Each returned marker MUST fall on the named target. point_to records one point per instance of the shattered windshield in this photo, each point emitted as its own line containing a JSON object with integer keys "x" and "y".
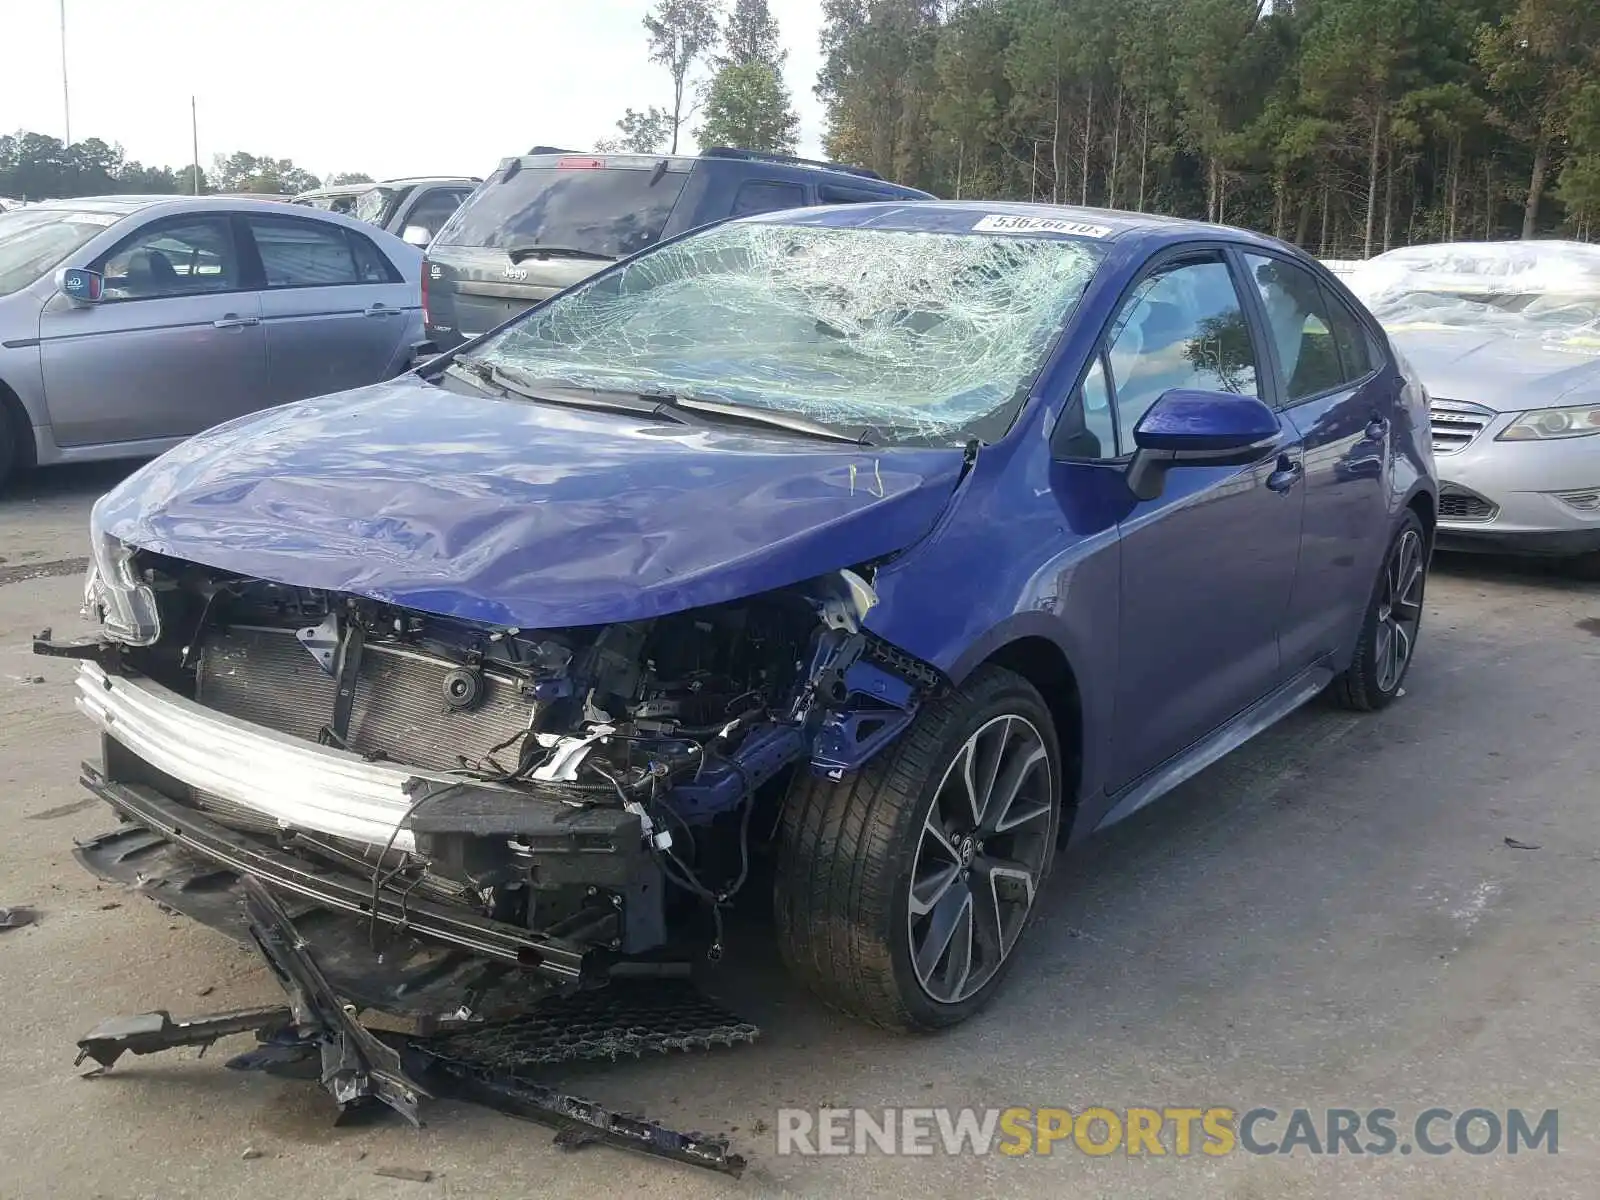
{"x": 1549, "y": 291}
{"x": 373, "y": 206}
{"x": 920, "y": 336}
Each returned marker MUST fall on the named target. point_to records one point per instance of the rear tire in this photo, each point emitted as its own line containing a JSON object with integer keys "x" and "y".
{"x": 879, "y": 876}
{"x": 1389, "y": 629}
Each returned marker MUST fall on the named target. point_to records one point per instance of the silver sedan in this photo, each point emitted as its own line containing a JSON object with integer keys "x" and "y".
{"x": 1506, "y": 338}
{"x": 128, "y": 323}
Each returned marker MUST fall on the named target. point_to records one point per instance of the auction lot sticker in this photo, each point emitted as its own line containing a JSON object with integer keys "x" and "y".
{"x": 1001, "y": 223}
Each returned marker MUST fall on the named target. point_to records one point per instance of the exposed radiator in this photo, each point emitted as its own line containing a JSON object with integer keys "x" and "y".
{"x": 267, "y": 677}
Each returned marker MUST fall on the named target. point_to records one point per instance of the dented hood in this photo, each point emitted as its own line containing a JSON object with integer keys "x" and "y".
{"x": 523, "y": 514}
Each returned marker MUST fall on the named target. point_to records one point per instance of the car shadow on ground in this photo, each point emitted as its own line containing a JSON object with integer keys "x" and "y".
{"x": 77, "y": 481}
{"x": 1510, "y": 568}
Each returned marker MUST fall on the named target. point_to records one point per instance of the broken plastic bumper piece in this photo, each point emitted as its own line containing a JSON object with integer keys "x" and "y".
{"x": 361, "y": 1067}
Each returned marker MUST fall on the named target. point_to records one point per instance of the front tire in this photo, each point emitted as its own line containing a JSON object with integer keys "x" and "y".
{"x": 903, "y": 891}
{"x": 1389, "y": 630}
{"x": 11, "y": 433}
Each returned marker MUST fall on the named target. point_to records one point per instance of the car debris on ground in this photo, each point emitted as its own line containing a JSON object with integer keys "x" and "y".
{"x": 485, "y": 1064}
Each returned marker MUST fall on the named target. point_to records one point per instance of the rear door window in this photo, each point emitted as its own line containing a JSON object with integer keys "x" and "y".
{"x": 1356, "y": 357}
{"x": 765, "y": 195}
{"x": 298, "y": 253}
{"x": 614, "y": 211}
{"x": 1300, "y": 326}
{"x": 371, "y": 265}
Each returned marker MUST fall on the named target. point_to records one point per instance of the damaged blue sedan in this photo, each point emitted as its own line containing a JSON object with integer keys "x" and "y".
{"x": 864, "y": 554}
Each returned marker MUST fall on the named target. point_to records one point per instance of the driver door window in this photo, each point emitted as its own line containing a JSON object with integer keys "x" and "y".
{"x": 434, "y": 209}
{"x": 191, "y": 257}
{"x": 1183, "y": 327}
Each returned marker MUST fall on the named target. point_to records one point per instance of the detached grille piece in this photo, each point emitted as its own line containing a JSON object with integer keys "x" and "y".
{"x": 1456, "y": 424}
{"x": 629, "y": 1017}
{"x": 1458, "y": 504}
{"x": 267, "y": 677}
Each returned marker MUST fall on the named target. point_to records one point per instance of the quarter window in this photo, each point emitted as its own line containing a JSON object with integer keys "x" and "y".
{"x": 759, "y": 196}
{"x": 1183, "y": 327}
{"x": 303, "y": 253}
{"x": 173, "y": 258}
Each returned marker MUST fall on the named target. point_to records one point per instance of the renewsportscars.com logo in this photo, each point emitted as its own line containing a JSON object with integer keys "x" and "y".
{"x": 1159, "y": 1132}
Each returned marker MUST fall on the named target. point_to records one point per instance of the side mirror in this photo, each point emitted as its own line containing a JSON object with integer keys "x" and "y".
{"x": 80, "y": 286}
{"x": 1194, "y": 428}
{"x": 416, "y": 235}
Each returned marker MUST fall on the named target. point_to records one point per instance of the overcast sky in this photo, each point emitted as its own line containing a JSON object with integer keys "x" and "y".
{"x": 391, "y": 88}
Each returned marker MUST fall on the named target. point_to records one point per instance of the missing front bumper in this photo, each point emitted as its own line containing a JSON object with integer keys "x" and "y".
{"x": 235, "y": 854}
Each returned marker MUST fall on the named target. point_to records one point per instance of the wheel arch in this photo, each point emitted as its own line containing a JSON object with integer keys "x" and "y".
{"x": 1422, "y": 503}
{"x": 1044, "y": 664}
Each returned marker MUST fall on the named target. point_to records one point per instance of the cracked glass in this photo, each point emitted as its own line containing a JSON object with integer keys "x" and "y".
{"x": 928, "y": 337}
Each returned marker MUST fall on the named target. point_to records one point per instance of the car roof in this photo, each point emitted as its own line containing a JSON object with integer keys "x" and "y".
{"x": 125, "y": 206}
{"x": 355, "y": 189}
{"x": 119, "y": 205}
{"x": 412, "y": 180}
{"x": 338, "y": 189}
{"x": 957, "y": 216}
{"x": 726, "y": 158}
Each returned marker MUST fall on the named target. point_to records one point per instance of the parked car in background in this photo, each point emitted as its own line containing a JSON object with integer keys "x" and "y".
{"x": 128, "y": 323}
{"x": 1506, "y": 337}
{"x": 902, "y": 540}
{"x": 339, "y": 198}
{"x": 411, "y": 209}
{"x": 544, "y": 221}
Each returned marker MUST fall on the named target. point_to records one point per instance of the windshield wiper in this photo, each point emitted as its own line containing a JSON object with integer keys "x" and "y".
{"x": 669, "y": 406}
{"x": 515, "y": 384}
{"x": 768, "y": 417}
{"x": 524, "y": 250}
{"x": 469, "y": 371}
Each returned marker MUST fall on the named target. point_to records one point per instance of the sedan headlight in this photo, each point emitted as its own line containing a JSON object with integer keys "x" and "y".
{"x": 1544, "y": 424}
{"x": 115, "y": 596}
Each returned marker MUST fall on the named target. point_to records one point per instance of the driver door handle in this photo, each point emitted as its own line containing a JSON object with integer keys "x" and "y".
{"x": 234, "y": 321}
{"x": 1286, "y": 475}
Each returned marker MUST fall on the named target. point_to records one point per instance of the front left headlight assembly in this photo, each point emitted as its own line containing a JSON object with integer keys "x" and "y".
{"x": 115, "y": 596}
{"x": 1549, "y": 424}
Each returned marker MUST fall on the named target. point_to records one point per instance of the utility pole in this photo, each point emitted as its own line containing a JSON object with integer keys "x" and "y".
{"x": 66, "y": 101}
{"x": 194, "y": 132}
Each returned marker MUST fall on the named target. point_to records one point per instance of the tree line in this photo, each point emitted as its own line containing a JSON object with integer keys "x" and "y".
{"x": 35, "y": 166}
{"x": 1347, "y": 126}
